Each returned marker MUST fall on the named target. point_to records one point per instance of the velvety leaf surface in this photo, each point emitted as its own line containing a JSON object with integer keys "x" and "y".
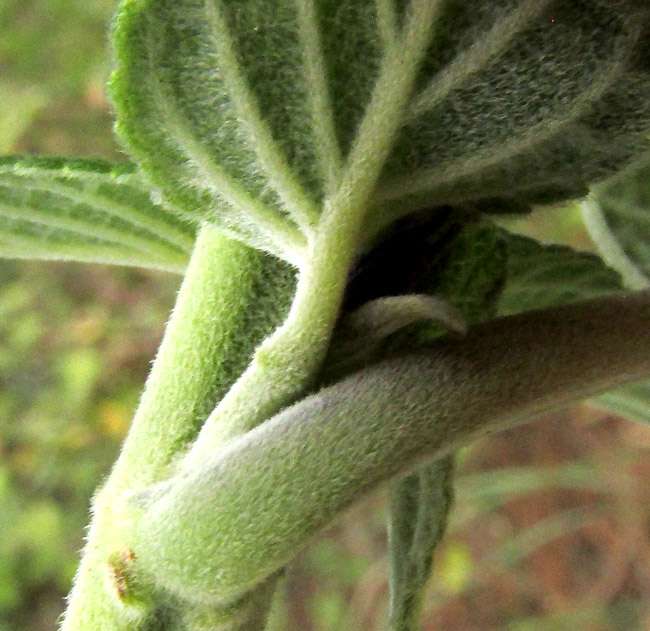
{"x": 541, "y": 276}
{"x": 258, "y": 114}
{"x": 87, "y": 211}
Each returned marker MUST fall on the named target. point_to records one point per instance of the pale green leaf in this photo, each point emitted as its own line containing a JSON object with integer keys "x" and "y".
{"x": 261, "y": 114}
{"x": 617, "y": 215}
{"x": 89, "y": 211}
{"x": 542, "y": 276}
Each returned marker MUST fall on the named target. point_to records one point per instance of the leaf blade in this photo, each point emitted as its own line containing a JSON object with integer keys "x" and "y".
{"x": 473, "y": 91}
{"x": 285, "y": 109}
{"x": 541, "y": 276}
{"x": 267, "y": 153}
{"x": 87, "y": 210}
{"x": 419, "y": 510}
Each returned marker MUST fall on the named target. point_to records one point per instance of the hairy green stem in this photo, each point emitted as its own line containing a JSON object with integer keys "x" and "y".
{"x": 191, "y": 373}
{"x": 221, "y": 528}
{"x": 208, "y": 341}
{"x": 287, "y": 363}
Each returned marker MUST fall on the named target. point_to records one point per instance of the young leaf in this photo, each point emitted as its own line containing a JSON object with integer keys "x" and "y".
{"x": 542, "y": 276}
{"x": 382, "y": 317}
{"x": 86, "y": 210}
{"x": 361, "y": 336}
{"x": 617, "y": 215}
{"x": 260, "y": 114}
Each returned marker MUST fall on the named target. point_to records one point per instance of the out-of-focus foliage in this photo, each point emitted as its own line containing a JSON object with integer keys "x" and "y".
{"x": 74, "y": 351}
{"x": 53, "y": 68}
{"x": 75, "y": 341}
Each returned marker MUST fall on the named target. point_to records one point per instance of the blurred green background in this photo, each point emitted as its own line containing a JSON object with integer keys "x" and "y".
{"x": 550, "y": 530}
{"x": 75, "y": 340}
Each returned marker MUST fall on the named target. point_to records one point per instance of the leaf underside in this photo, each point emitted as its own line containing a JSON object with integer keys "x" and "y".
{"x": 247, "y": 112}
{"x": 541, "y": 276}
{"x": 87, "y": 210}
